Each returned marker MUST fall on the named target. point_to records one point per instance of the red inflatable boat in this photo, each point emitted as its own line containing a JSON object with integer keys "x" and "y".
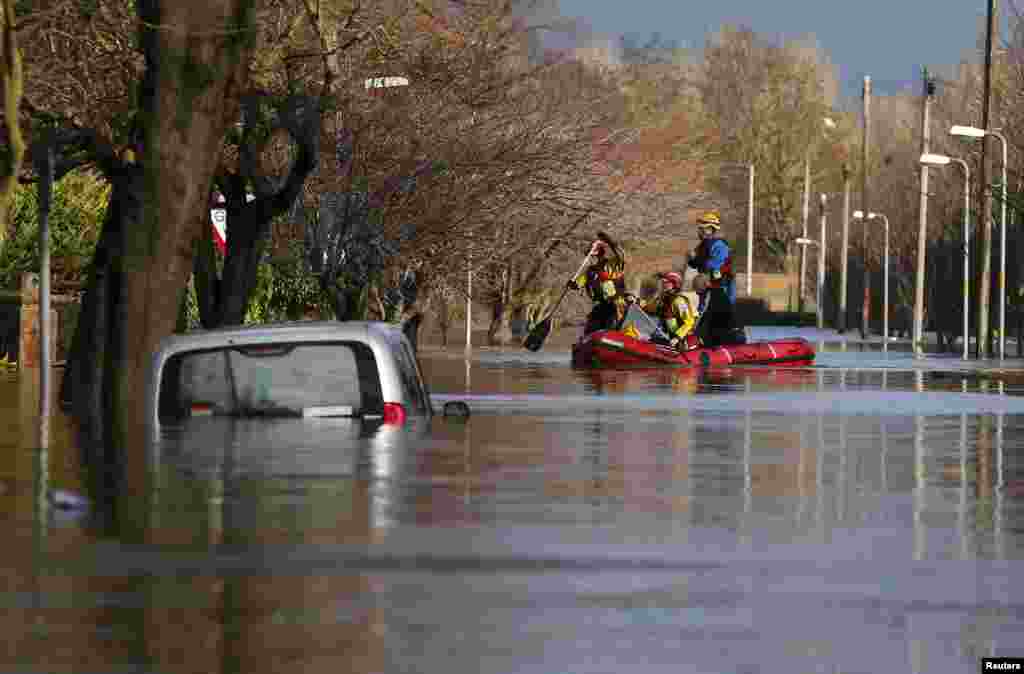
{"x": 612, "y": 348}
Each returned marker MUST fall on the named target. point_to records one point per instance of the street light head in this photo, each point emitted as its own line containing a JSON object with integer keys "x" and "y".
{"x": 929, "y": 159}
{"x": 967, "y": 131}
{"x": 857, "y": 215}
{"x": 872, "y": 216}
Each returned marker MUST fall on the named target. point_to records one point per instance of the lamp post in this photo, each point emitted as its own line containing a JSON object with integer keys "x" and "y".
{"x": 822, "y": 248}
{"x": 822, "y": 244}
{"x": 844, "y": 264}
{"x": 885, "y": 274}
{"x": 750, "y": 236}
{"x": 469, "y": 306}
{"x": 802, "y": 285}
{"x": 974, "y": 132}
{"x": 750, "y": 222}
{"x": 929, "y": 159}
{"x": 803, "y": 242}
{"x": 45, "y": 166}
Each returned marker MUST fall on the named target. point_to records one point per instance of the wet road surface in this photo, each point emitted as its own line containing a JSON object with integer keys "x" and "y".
{"x": 862, "y": 515}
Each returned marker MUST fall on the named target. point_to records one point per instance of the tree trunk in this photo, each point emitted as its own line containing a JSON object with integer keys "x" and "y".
{"x": 349, "y": 304}
{"x": 442, "y": 309}
{"x": 204, "y": 271}
{"x": 241, "y": 267}
{"x": 249, "y": 222}
{"x": 84, "y": 384}
{"x": 499, "y": 334}
{"x": 196, "y": 56}
{"x": 196, "y": 62}
{"x": 11, "y": 82}
{"x": 411, "y": 329}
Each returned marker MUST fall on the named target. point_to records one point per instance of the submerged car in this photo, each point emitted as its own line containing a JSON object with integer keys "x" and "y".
{"x": 364, "y": 370}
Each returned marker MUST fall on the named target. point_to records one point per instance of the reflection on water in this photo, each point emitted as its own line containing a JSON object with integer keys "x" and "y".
{"x": 578, "y": 521}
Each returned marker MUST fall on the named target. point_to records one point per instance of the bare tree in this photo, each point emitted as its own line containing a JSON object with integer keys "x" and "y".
{"x": 11, "y": 82}
{"x": 144, "y": 254}
{"x": 769, "y": 101}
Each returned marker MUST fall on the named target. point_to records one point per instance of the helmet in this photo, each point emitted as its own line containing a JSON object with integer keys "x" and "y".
{"x": 674, "y": 278}
{"x": 709, "y": 219}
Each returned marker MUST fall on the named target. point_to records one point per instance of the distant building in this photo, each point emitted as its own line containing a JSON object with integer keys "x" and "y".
{"x": 601, "y": 53}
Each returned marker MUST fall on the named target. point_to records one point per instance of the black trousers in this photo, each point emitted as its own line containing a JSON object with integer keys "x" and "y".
{"x": 602, "y": 317}
{"x": 717, "y": 326}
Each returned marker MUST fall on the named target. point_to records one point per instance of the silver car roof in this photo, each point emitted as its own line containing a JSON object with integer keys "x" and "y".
{"x": 306, "y": 331}
{"x": 379, "y": 336}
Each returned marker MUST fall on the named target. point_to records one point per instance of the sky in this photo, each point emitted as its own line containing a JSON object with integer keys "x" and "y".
{"x": 890, "y": 40}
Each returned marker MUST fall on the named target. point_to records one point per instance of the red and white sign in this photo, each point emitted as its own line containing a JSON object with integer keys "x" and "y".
{"x": 219, "y": 223}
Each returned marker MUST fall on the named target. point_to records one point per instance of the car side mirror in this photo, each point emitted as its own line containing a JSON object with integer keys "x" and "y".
{"x": 457, "y": 409}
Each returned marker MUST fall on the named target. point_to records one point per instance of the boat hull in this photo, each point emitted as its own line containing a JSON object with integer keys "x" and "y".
{"x": 613, "y": 349}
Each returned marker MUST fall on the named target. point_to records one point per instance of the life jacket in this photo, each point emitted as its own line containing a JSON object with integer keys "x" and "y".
{"x": 677, "y": 321}
{"x": 605, "y": 280}
{"x": 725, "y": 273}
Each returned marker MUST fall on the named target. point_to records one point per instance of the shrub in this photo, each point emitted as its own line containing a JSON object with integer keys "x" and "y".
{"x": 76, "y": 219}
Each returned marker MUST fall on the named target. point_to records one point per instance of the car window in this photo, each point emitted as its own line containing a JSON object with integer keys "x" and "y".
{"x": 298, "y": 379}
{"x": 409, "y": 373}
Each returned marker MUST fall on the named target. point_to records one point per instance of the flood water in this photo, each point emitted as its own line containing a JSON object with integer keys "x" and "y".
{"x": 862, "y": 515}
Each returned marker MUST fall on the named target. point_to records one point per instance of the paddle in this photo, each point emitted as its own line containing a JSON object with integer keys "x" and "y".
{"x": 699, "y": 325}
{"x": 540, "y": 332}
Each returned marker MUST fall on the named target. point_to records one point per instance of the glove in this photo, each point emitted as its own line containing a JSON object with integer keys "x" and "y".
{"x": 571, "y": 285}
{"x": 674, "y": 342}
{"x": 630, "y": 298}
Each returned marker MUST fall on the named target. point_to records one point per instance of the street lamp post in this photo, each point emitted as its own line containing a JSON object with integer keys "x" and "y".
{"x": 885, "y": 274}
{"x": 803, "y": 242}
{"x": 750, "y": 235}
{"x": 844, "y": 264}
{"x": 885, "y": 280}
{"x": 974, "y": 132}
{"x": 929, "y": 159}
{"x": 750, "y": 223}
{"x": 822, "y": 248}
{"x": 469, "y": 307}
{"x": 822, "y": 244}
{"x": 801, "y": 285}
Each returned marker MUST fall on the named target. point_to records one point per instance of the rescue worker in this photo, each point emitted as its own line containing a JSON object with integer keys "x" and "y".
{"x": 717, "y": 323}
{"x": 605, "y": 281}
{"x": 712, "y": 256}
{"x": 674, "y": 312}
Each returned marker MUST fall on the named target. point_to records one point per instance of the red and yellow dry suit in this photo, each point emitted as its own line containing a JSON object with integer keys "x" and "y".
{"x": 605, "y": 283}
{"x": 674, "y": 312}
